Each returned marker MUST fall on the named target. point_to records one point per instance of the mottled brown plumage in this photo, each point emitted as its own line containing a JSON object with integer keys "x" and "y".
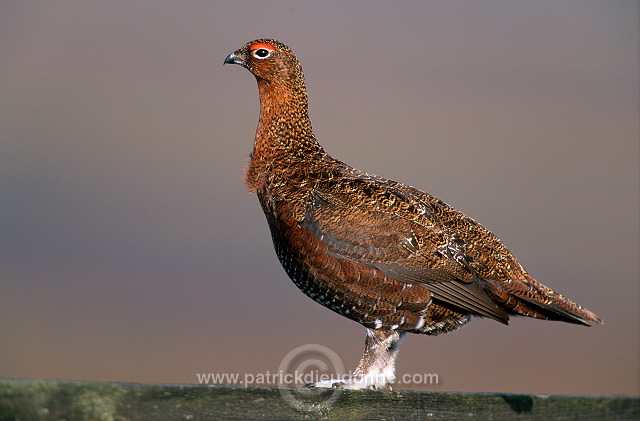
{"x": 386, "y": 255}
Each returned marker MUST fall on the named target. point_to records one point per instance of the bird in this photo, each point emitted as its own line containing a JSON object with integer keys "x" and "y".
{"x": 387, "y": 255}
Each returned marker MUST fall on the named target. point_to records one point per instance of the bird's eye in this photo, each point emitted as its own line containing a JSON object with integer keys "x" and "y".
{"x": 261, "y": 53}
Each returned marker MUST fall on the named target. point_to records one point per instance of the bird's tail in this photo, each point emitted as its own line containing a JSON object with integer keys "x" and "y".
{"x": 532, "y": 299}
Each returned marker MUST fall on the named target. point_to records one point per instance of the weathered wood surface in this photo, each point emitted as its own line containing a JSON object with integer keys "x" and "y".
{"x": 53, "y": 400}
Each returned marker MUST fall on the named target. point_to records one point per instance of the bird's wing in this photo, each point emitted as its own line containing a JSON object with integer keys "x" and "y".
{"x": 381, "y": 228}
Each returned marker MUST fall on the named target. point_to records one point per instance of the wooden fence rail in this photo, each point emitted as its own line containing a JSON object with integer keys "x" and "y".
{"x": 61, "y": 400}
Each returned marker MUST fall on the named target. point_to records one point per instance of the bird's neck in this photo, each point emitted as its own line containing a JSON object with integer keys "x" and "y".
{"x": 284, "y": 119}
{"x": 284, "y": 136}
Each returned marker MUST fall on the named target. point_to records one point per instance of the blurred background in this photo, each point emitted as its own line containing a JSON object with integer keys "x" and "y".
{"x": 131, "y": 251}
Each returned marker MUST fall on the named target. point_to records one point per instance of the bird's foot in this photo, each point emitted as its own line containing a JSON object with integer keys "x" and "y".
{"x": 376, "y": 369}
{"x": 354, "y": 383}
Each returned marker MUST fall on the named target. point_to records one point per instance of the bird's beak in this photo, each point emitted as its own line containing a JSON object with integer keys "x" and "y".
{"x": 234, "y": 59}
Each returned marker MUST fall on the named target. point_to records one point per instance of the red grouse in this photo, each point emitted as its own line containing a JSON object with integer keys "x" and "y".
{"x": 389, "y": 256}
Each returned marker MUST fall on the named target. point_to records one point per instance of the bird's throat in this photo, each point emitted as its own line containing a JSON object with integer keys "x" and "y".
{"x": 284, "y": 133}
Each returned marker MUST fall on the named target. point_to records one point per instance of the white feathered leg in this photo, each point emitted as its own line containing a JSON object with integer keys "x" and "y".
{"x": 377, "y": 367}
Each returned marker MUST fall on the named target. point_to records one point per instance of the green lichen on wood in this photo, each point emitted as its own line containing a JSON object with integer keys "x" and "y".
{"x": 52, "y": 400}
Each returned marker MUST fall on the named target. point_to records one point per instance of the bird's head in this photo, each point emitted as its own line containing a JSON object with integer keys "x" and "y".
{"x": 268, "y": 60}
